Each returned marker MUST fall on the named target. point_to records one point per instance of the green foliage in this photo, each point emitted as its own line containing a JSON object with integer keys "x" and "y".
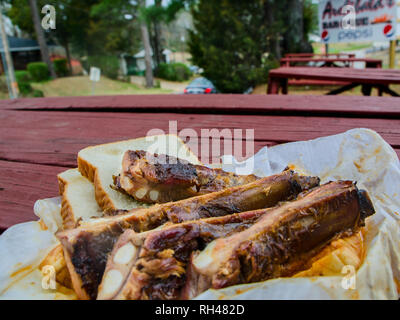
{"x": 109, "y": 65}
{"x": 310, "y": 17}
{"x": 233, "y": 54}
{"x": 60, "y": 67}
{"x": 23, "y": 81}
{"x": 3, "y": 84}
{"x": 22, "y": 76}
{"x": 173, "y": 71}
{"x": 25, "y": 89}
{"x": 37, "y": 93}
{"x": 38, "y": 71}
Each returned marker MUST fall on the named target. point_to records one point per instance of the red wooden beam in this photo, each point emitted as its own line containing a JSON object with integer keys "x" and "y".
{"x": 54, "y": 138}
{"x": 21, "y": 184}
{"x": 219, "y": 103}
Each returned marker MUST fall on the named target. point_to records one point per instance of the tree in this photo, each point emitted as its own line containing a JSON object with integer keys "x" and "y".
{"x": 41, "y": 38}
{"x": 135, "y": 9}
{"x": 82, "y": 28}
{"x": 237, "y": 42}
{"x": 295, "y": 39}
{"x": 229, "y": 42}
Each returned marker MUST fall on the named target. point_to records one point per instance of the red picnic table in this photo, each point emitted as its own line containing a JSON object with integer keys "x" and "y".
{"x": 330, "y": 62}
{"x": 41, "y": 137}
{"x": 307, "y": 55}
{"x": 367, "y": 78}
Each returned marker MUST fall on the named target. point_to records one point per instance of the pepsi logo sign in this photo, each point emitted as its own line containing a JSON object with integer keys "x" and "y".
{"x": 388, "y": 31}
{"x": 325, "y": 35}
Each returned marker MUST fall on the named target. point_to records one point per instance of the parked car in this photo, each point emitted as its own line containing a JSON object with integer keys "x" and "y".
{"x": 200, "y": 86}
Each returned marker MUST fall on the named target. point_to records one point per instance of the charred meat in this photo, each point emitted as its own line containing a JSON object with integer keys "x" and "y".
{"x": 184, "y": 260}
{"x": 164, "y": 255}
{"x": 282, "y": 241}
{"x": 86, "y": 248}
{"x": 155, "y": 178}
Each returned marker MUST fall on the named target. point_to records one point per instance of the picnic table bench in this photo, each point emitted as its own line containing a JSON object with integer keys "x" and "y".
{"x": 308, "y": 55}
{"x": 367, "y": 78}
{"x": 321, "y": 61}
{"x": 330, "y": 62}
{"x": 41, "y": 137}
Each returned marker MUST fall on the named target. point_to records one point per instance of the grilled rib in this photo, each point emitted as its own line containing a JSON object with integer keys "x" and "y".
{"x": 282, "y": 241}
{"x": 164, "y": 252}
{"x": 155, "y": 178}
{"x": 251, "y": 246}
{"x": 86, "y": 248}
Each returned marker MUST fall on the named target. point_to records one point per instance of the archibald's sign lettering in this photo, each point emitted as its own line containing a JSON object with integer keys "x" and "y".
{"x": 371, "y": 20}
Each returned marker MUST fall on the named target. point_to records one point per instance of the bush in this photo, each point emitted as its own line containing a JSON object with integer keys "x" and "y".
{"x": 38, "y": 71}
{"x": 61, "y": 67}
{"x": 173, "y": 71}
{"x": 37, "y": 93}
{"x": 109, "y": 65}
{"x": 23, "y": 80}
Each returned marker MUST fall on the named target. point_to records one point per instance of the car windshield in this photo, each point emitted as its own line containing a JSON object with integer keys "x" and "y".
{"x": 200, "y": 82}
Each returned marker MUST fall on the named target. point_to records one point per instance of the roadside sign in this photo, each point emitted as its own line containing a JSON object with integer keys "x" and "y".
{"x": 95, "y": 74}
{"x": 365, "y": 20}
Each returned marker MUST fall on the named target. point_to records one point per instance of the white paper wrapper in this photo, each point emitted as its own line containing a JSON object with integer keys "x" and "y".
{"x": 359, "y": 154}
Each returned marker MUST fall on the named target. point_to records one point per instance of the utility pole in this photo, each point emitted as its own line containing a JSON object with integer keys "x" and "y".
{"x": 9, "y": 69}
{"x": 40, "y": 37}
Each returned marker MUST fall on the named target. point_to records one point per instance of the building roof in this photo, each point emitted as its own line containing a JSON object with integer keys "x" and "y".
{"x": 141, "y": 54}
{"x": 20, "y": 44}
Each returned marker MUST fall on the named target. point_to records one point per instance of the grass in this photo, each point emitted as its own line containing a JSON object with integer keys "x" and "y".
{"x": 341, "y": 47}
{"x": 82, "y": 86}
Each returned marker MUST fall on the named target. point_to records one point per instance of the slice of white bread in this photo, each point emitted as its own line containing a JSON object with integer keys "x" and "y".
{"x": 78, "y": 198}
{"x": 99, "y": 164}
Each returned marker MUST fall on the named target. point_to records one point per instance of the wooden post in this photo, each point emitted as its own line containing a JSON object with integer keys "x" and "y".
{"x": 392, "y": 54}
{"x": 326, "y": 48}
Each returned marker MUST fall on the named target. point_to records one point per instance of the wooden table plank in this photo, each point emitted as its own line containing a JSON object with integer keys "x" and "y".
{"x": 219, "y": 104}
{"x": 375, "y": 63}
{"x": 21, "y": 184}
{"x": 370, "y": 76}
{"x": 350, "y": 55}
{"x": 54, "y": 138}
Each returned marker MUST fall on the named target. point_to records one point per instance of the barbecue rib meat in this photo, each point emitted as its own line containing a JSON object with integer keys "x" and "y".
{"x": 155, "y": 178}
{"x": 250, "y": 246}
{"x": 164, "y": 253}
{"x": 282, "y": 241}
{"x": 86, "y": 248}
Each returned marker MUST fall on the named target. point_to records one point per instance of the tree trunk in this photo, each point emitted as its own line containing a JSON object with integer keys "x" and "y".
{"x": 68, "y": 57}
{"x": 273, "y": 36}
{"x": 41, "y": 38}
{"x": 157, "y": 38}
{"x": 147, "y": 54}
{"x": 295, "y": 39}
